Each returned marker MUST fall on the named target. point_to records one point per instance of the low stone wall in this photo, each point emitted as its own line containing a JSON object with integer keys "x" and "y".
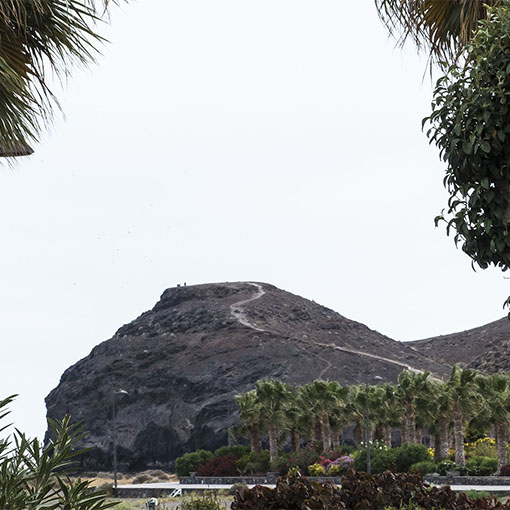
{"x": 271, "y": 478}
{"x": 468, "y": 480}
{"x": 268, "y": 478}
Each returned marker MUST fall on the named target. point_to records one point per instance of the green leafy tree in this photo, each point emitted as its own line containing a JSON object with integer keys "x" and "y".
{"x": 40, "y": 39}
{"x": 35, "y": 477}
{"x": 470, "y": 124}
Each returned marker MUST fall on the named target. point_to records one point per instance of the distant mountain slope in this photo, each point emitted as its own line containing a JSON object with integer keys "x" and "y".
{"x": 183, "y": 362}
{"x": 486, "y": 347}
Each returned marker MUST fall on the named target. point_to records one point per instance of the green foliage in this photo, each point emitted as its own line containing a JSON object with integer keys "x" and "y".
{"x": 36, "y": 477}
{"x": 281, "y": 464}
{"x": 470, "y": 123}
{"x": 236, "y": 450}
{"x": 206, "y": 502}
{"x": 347, "y": 449}
{"x": 254, "y": 462}
{"x": 394, "y": 459}
{"x": 190, "y": 461}
{"x": 446, "y": 465}
{"x": 424, "y": 468}
{"x": 481, "y": 466}
{"x": 384, "y": 460}
{"x": 409, "y": 454}
{"x": 474, "y": 494}
{"x": 303, "y": 458}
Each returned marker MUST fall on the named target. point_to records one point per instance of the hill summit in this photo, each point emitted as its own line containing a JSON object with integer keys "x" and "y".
{"x": 183, "y": 362}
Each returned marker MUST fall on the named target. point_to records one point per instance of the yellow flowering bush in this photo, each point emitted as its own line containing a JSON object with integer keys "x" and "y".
{"x": 431, "y": 452}
{"x": 482, "y": 447}
{"x": 316, "y": 470}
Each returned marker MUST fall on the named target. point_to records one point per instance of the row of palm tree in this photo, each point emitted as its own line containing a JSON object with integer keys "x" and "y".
{"x": 318, "y": 411}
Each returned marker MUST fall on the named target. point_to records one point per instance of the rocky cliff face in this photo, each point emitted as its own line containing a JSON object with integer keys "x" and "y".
{"x": 183, "y": 362}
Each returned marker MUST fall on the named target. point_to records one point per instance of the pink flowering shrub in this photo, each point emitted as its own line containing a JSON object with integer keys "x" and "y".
{"x": 336, "y": 463}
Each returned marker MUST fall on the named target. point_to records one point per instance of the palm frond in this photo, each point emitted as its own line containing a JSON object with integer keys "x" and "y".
{"x": 36, "y": 37}
{"x": 442, "y": 27}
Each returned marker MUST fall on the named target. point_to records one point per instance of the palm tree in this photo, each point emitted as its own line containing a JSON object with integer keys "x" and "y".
{"x": 39, "y": 39}
{"x": 385, "y": 411}
{"x": 323, "y": 398}
{"x": 442, "y": 27}
{"x": 250, "y": 417}
{"x": 464, "y": 399}
{"x": 412, "y": 388}
{"x": 355, "y": 410}
{"x": 495, "y": 389}
{"x": 299, "y": 420}
{"x": 274, "y": 397}
{"x": 441, "y": 424}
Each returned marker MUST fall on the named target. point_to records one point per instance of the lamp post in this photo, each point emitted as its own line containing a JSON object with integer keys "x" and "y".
{"x": 114, "y": 423}
{"x": 367, "y": 416}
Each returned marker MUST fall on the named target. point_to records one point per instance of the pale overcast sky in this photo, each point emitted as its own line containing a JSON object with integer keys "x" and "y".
{"x": 226, "y": 140}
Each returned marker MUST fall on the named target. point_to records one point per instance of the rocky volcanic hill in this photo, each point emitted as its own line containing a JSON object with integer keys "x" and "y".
{"x": 183, "y": 362}
{"x": 485, "y": 348}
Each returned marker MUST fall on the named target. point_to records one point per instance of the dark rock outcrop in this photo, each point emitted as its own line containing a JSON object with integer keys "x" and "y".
{"x": 183, "y": 362}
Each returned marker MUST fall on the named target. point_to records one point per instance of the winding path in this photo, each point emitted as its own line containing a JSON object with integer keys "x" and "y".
{"x": 237, "y": 311}
{"x": 361, "y": 353}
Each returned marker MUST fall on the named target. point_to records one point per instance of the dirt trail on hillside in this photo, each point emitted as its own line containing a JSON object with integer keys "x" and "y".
{"x": 237, "y": 310}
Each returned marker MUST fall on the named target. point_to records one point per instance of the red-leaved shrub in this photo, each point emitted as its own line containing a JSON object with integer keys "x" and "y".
{"x": 505, "y": 470}
{"x": 219, "y": 466}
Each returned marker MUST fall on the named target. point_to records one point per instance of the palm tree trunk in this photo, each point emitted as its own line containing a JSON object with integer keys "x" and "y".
{"x": 432, "y": 441}
{"x": 403, "y": 431}
{"x": 255, "y": 442}
{"x": 442, "y": 436}
{"x": 378, "y": 433}
{"x": 294, "y": 440}
{"x": 411, "y": 424}
{"x": 335, "y": 438}
{"x": 501, "y": 432}
{"x": 458, "y": 426}
{"x": 325, "y": 431}
{"x": 316, "y": 432}
{"x": 273, "y": 443}
{"x": 387, "y": 436}
{"x": 419, "y": 435}
{"x": 358, "y": 433}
